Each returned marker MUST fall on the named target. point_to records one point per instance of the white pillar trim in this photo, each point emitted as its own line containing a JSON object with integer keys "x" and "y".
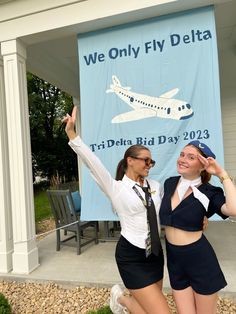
{"x": 6, "y": 238}
{"x": 13, "y": 47}
{"x": 25, "y": 256}
{"x": 76, "y": 103}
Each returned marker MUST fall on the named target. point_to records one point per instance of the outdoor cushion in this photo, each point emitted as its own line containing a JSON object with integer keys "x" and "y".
{"x": 77, "y": 200}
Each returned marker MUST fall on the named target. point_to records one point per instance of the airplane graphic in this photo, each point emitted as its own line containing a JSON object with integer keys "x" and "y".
{"x": 146, "y": 106}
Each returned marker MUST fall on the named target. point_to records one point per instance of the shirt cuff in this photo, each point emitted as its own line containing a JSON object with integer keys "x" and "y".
{"x": 76, "y": 141}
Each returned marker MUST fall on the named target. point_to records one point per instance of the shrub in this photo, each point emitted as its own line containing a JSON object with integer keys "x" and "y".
{"x": 41, "y": 186}
{"x": 103, "y": 310}
{"x": 5, "y": 307}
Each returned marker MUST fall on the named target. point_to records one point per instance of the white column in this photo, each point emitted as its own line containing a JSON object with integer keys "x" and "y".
{"x": 6, "y": 243}
{"x": 25, "y": 256}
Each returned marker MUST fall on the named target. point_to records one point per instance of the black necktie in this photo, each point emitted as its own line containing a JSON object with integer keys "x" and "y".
{"x": 152, "y": 220}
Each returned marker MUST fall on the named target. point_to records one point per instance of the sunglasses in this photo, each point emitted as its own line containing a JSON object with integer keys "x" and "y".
{"x": 148, "y": 161}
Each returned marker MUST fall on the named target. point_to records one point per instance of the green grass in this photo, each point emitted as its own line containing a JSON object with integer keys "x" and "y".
{"x": 5, "y": 307}
{"x": 103, "y": 310}
{"x": 42, "y": 206}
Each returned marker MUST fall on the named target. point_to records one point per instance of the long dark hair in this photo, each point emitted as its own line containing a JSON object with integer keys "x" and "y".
{"x": 205, "y": 176}
{"x": 132, "y": 151}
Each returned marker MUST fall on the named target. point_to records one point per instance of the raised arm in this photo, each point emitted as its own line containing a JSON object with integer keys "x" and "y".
{"x": 99, "y": 172}
{"x": 213, "y": 167}
{"x": 70, "y": 124}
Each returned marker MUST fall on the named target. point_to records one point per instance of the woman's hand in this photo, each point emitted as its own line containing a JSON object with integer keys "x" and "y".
{"x": 212, "y": 166}
{"x": 70, "y": 124}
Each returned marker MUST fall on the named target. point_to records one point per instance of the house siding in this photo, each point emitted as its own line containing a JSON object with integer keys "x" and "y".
{"x": 229, "y": 135}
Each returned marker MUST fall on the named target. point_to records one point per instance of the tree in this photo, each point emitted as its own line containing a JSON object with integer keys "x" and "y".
{"x": 50, "y": 153}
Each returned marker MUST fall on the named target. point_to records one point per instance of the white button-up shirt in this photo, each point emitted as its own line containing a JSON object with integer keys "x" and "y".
{"x": 126, "y": 203}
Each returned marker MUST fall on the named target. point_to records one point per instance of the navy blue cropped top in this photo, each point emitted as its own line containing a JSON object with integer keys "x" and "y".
{"x": 189, "y": 214}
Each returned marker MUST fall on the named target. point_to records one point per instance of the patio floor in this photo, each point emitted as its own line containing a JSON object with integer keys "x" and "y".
{"x": 96, "y": 265}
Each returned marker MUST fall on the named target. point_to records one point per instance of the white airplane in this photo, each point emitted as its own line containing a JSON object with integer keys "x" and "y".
{"x": 145, "y": 106}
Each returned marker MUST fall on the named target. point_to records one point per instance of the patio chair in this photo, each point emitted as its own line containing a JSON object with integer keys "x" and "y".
{"x": 63, "y": 210}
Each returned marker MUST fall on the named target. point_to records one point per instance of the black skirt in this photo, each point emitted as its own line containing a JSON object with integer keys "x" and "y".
{"x": 136, "y": 270}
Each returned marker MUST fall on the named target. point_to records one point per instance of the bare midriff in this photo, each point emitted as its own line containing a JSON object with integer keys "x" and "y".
{"x": 181, "y": 237}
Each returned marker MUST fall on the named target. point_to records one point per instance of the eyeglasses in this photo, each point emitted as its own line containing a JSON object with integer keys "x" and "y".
{"x": 148, "y": 161}
{"x": 190, "y": 157}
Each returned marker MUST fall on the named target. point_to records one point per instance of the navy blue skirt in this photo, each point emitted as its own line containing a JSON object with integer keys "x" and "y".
{"x": 194, "y": 265}
{"x": 136, "y": 270}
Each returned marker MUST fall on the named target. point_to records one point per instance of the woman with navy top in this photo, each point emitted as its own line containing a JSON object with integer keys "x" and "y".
{"x": 136, "y": 201}
{"x": 194, "y": 271}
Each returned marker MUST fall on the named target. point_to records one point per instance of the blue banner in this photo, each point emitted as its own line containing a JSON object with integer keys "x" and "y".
{"x": 154, "y": 83}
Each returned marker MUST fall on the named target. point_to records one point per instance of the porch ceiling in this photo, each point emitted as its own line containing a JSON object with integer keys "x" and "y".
{"x": 53, "y": 55}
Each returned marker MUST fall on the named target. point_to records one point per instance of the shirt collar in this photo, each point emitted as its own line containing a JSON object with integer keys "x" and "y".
{"x": 194, "y": 182}
{"x": 130, "y": 183}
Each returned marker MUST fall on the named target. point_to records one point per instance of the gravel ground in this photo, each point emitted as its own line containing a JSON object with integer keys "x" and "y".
{"x": 38, "y": 298}
{"x": 28, "y": 297}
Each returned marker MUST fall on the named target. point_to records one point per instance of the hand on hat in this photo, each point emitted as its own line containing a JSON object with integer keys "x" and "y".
{"x": 211, "y": 165}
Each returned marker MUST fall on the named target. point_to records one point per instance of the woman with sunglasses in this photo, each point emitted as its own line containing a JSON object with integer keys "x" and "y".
{"x": 136, "y": 200}
{"x": 194, "y": 271}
